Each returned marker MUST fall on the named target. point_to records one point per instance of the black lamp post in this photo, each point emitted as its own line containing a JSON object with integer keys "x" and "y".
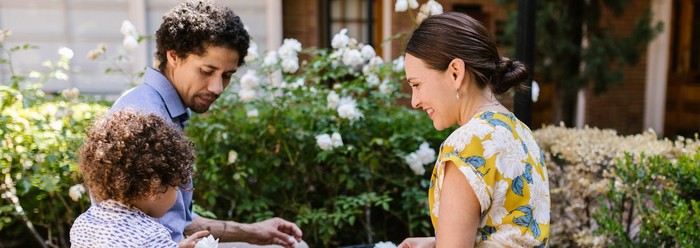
{"x": 524, "y": 52}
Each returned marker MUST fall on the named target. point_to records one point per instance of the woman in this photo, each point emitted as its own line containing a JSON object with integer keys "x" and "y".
{"x": 489, "y": 185}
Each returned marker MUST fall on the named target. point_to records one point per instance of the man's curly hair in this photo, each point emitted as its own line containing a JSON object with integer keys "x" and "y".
{"x": 193, "y": 25}
{"x": 128, "y": 155}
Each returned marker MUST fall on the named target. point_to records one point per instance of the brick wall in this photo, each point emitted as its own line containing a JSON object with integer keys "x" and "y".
{"x": 300, "y": 20}
{"x": 622, "y": 106}
{"x": 490, "y": 14}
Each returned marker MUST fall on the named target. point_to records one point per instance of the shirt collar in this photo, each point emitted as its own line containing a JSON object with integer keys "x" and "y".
{"x": 165, "y": 89}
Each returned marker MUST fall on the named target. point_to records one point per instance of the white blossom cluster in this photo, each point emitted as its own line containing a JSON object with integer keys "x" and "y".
{"x": 423, "y": 156}
{"x": 385, "y": 244}
{"x": 249, "y": 86}
{"x": 76, "y": 192}
{"x": 431, "y": 7}
{"x": 346, "y": 106}
{"x": 207, "y": 242}
{"x": 131, "y": 36}
{"x": 328, "y": 142}
{"x": 288, "y": 53}
{"x": 581, "y": 163}
{"x": 350, "y": 52}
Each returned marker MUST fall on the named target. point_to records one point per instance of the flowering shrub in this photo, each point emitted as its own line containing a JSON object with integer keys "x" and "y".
{"x": 323, "y": 142}
{"x": 654, "y": 202}
{"x": 582, "y": 166}
{"x": 39, "y": 139}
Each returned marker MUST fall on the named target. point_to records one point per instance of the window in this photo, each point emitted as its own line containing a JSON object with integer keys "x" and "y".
{"x": 355, "y": 15}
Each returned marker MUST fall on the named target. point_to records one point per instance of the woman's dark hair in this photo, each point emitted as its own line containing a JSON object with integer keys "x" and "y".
{"x": 441, "y": 38}
{"x": 129, "y": 155}
{"x": 193, "y": 25}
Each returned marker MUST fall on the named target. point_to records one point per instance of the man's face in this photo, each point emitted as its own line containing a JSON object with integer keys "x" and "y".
{"x": 199, "y": 80}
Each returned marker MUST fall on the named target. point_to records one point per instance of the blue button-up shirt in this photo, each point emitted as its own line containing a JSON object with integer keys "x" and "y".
{"x": 157, "y": 95}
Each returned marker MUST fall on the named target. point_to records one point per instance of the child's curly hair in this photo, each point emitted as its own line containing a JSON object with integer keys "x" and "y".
{"x": 191, "y": 26}
{"x": 130, "y": 155}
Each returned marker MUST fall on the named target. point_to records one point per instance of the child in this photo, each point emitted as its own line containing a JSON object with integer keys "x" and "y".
{"x": 132, "y": 164}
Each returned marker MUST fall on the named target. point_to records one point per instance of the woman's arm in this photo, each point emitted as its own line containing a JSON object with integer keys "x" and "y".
{"x": 459, "y": 210}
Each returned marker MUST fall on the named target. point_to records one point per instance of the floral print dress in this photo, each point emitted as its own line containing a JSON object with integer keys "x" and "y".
{"x": 504, "y": 166}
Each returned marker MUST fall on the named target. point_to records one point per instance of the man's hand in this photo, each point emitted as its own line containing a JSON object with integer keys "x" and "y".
{"x": 273, "y": 231}
{"x": 192, "y": 240}
{"x": 424, "y": 242}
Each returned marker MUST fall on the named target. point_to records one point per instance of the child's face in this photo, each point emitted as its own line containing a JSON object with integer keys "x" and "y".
{"x": 166, "y": 201}
{"x": 157, "y": 206}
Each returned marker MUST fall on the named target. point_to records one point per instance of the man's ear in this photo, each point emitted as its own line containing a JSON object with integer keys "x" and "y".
{"x": 458, "y": 71}
{"x": 172, "y": 58}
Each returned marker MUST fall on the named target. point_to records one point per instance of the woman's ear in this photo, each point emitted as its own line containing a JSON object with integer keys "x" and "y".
{"x": 457, "y": 71}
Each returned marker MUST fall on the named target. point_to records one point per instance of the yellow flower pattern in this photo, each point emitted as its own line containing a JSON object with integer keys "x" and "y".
{"x": 503, "y": 164}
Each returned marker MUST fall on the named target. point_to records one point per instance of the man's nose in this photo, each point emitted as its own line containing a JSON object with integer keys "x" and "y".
{"x": 216, "y": 86}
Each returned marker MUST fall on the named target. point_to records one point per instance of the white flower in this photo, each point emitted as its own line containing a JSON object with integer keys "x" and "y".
{"x": 232, "y": 156}
{"x": 252, "y": 52}
{"x": 425, "y": 153}
{"x": 130, "y": 43}
{"x": 526, "y": 136}
{"x": 498, "y": 210}
{"x": 347, "y": 108}
{"x": 511, "y": 156}
{"x": 386, "y": 87}
{"x": 208, "y": 242}
{"x": 535, "y": 91}
{"x": 352, "y": 57}
{"x": 65, "y": 53}
{"x": 4, "y": 34}
{"x": 385, "y": 244}
{"x": 249, "y": 81}
{"x": 76, "y": 191}
{"x": 431, "y": 8}
{"x": 289, "y": 48}
{"x": 341, "y": 39}
{"x": 324, "y": 142}
{"x": 462, "y": 137}
{"x": 247, "y": 95}
{"x": 71, "y": 93}
{"x": 397, "y": 64}
{"x": 290, "y": 65}
{"x": 420, "y": 17}
{"x": 270, "y": 59}
{"x": 297, "y": 83}
{"x": 509, "y": 235}
{"x": 34, "y": 74}
{"x": 128, "y": 29}
{"x": 337, "y": 139}
{"x": 400, "y": 6}
{"x": 539, "y": 198}
{"x": 372, "y": 79}
{"x": 60, "y": 75}
{"x": 414, "y": 162}
{"x": 253, "y": 113}
{"x": 367, "y": 52}
{"x": 373, "y": 65}
{"x": 413, "y": 4}
{"x": 332, "y": 99}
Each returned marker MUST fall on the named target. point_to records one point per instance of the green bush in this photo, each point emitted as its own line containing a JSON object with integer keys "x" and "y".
{"x": 39, "y": 139}
{"x": 261, "y": 153}
{"x": 653, "y": 203}
{"x": 582, "y": 165}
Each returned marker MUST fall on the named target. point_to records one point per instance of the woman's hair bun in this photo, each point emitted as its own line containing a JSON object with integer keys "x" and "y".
{"x": 509, "y": 74}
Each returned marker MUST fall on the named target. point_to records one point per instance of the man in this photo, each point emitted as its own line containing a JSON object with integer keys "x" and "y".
{"x": 199, "y": 47}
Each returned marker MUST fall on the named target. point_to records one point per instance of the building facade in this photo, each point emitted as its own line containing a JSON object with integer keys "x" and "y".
{"x": 661, "y": 92}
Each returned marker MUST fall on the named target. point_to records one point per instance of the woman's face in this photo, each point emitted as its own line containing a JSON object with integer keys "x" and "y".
{"x": 433, "y": 92}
